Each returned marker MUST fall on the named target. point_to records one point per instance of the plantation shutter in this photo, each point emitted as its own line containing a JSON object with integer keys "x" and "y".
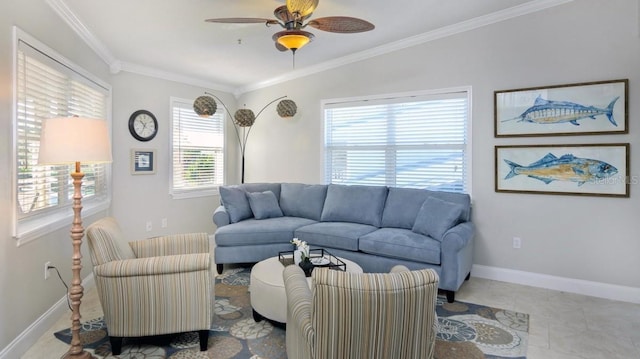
{"x": 48, "y": 88}
{"x": 408, "y": 141}
{"x": 198, "y": 149}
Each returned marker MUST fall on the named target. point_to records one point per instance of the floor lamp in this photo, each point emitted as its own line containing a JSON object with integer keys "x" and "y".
{"x": 73, "y": 140}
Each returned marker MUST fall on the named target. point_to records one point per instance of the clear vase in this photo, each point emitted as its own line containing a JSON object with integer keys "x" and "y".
{"x": 297, "y": 256}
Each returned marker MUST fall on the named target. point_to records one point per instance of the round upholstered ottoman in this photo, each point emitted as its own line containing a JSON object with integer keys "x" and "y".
{"x": 266, "y": 289}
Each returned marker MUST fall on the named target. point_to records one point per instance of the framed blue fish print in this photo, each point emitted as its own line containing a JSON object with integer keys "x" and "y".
{"x": 592, "y": 169}
{"x": 588, "y": 108}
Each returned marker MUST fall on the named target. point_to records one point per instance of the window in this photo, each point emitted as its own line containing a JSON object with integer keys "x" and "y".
{"x": 408, "y": 140}
{"x": 46, "y": 86}
{"x": 197, "y": 146}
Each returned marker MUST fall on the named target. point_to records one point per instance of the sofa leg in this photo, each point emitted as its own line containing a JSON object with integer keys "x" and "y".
{"x": 257, "y": 317}
{"x": 468, "y": 276}
{"x": 451, "y": 295}
{"x": 204, "y": 339}
{"x": 116, "y": 345}
{"x": 219, "y": 268}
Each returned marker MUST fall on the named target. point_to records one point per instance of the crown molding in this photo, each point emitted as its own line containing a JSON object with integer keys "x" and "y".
{"x": 115, "y": 65}
{"x": 61, "y": 8}
{"x": 440, "y": 33}
{"x": 171, "y": 76}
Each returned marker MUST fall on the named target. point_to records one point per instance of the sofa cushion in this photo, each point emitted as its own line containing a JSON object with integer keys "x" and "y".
{"x": 402, "y": 244}
{"x": 261, "y": 187}
{"x": 340, "y": 235}
{"x": 436, "y": 217}
{"x": 402, "y": 206}
{"x": 302, "y": 200}
{"x": 462, "y": 199}
{"x": 264, "y": 205}
{"x": 356, "y": 204}
{"x": 234, "y": 200}
{"x": 256, "y": 232}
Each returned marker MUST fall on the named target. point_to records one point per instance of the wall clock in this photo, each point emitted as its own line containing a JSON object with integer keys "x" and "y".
{"x": 143, "y": 125}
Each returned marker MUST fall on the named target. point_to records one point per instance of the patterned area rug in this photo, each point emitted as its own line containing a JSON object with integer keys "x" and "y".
{"x": 465, "y": 331}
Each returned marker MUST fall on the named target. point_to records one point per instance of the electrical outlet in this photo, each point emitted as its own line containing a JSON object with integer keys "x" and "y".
{"x": 517, "y": 243}
{"x": 46, "y": 270}
{"x": 149, "y": 226}
{"x": 164, "y": 223}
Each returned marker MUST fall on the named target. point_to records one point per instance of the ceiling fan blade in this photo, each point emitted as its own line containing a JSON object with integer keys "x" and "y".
{"x": 341, "y": 24}
{"x": 302, "y": 7}
{"x": 243, "y": 20}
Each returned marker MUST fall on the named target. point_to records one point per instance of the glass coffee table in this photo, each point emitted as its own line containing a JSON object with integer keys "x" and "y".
{"x": 266, "y": 289}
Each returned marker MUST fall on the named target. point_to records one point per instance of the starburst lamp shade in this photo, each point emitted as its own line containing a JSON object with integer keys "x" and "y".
{"x": 74, "y": 139}
{"x": 244, "y": 117}
{"x": 205, "y": 106}
{"x": 287, "y": 108}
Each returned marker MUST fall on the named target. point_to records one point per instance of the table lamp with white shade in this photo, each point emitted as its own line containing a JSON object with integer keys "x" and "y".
{"x": 75, "y": 140}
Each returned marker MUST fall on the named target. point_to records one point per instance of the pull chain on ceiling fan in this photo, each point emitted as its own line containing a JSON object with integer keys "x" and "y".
{"x": 291, "y": 18}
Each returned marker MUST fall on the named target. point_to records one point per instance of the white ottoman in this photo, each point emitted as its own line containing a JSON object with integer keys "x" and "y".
{"x": 266, "y": 289}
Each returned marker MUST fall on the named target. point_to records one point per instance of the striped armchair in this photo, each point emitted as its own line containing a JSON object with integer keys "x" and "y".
{"x": 155, "y": 286}
{"x": 355, "y": 315}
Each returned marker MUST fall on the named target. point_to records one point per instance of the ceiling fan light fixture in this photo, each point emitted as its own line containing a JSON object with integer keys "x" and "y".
{"x": 293, "y": 39}
{"x": 302, "y": 7}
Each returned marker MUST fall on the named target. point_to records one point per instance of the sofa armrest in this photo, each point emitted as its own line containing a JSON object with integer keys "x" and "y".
{"x": 300, "y": 332}
{"x": 221, "y": 217}
{"x": 154, "y": 266}
{"x": 171, "y": 245}
{"x": 458, "y": 237}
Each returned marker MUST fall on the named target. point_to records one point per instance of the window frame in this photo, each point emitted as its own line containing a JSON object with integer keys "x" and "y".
{"x": 385, "y": 97}
{"x": 195, "y": 192}
{"x": 53, "y": 219}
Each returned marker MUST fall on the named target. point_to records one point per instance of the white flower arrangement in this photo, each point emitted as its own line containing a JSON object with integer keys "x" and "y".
{"x": 303, "y": 247}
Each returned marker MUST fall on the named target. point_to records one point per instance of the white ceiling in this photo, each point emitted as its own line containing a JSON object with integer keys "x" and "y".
{"x": 170, "y": 39}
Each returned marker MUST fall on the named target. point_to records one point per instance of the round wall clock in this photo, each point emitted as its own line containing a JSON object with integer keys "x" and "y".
{"x": 143, "y": 125}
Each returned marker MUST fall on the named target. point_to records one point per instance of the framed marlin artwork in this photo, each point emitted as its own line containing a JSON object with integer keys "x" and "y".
{"x": 588, "y": 108}
{"x": 593, "y": 169}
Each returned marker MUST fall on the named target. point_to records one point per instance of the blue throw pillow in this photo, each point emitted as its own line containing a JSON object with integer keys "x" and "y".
{"x": 264, "y": 204}
{"x": 235, "y": 202}
{"x": 436, "y": 217}
{"x": 354, "y": 203}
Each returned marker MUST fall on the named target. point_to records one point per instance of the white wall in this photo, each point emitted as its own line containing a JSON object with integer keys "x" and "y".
{"x": 25, "y": 295}
{"x": 141, "y": 198}
{"x": 585, "y": 238}
{"x": 588, "y": 238}
{"x": 27, "y": 301}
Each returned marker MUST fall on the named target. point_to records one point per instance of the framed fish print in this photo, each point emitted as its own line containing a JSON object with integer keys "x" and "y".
{"x": 576, "y": 109}
{"x": 593, "y": 169}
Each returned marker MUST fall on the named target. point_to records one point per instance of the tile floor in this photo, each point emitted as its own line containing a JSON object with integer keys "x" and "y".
{"x": 562, "y": 325}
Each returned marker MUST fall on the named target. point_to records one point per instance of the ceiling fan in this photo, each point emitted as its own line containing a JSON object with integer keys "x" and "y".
{"x": 292, "y": 18}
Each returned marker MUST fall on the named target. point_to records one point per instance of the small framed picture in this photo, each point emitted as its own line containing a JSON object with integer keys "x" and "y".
{"x": 143, "y": 162}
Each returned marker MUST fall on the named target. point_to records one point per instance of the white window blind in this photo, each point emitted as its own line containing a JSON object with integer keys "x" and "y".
{"x": 49, "y": 86}
{"x": 197, "y": 145}
{"x": 416, "y": 141}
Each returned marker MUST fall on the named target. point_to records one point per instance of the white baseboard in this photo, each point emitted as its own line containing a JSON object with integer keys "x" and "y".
{"x": 30, "y": 336}
{"x": 578, "y": 286}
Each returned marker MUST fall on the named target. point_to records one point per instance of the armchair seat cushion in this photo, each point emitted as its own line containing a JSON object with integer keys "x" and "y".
{"x": 154, "y": 265}
{"x": 402, "y": 244}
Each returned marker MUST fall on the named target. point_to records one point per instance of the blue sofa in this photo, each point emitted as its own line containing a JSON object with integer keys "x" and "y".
{"x": 375, "y": 226}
